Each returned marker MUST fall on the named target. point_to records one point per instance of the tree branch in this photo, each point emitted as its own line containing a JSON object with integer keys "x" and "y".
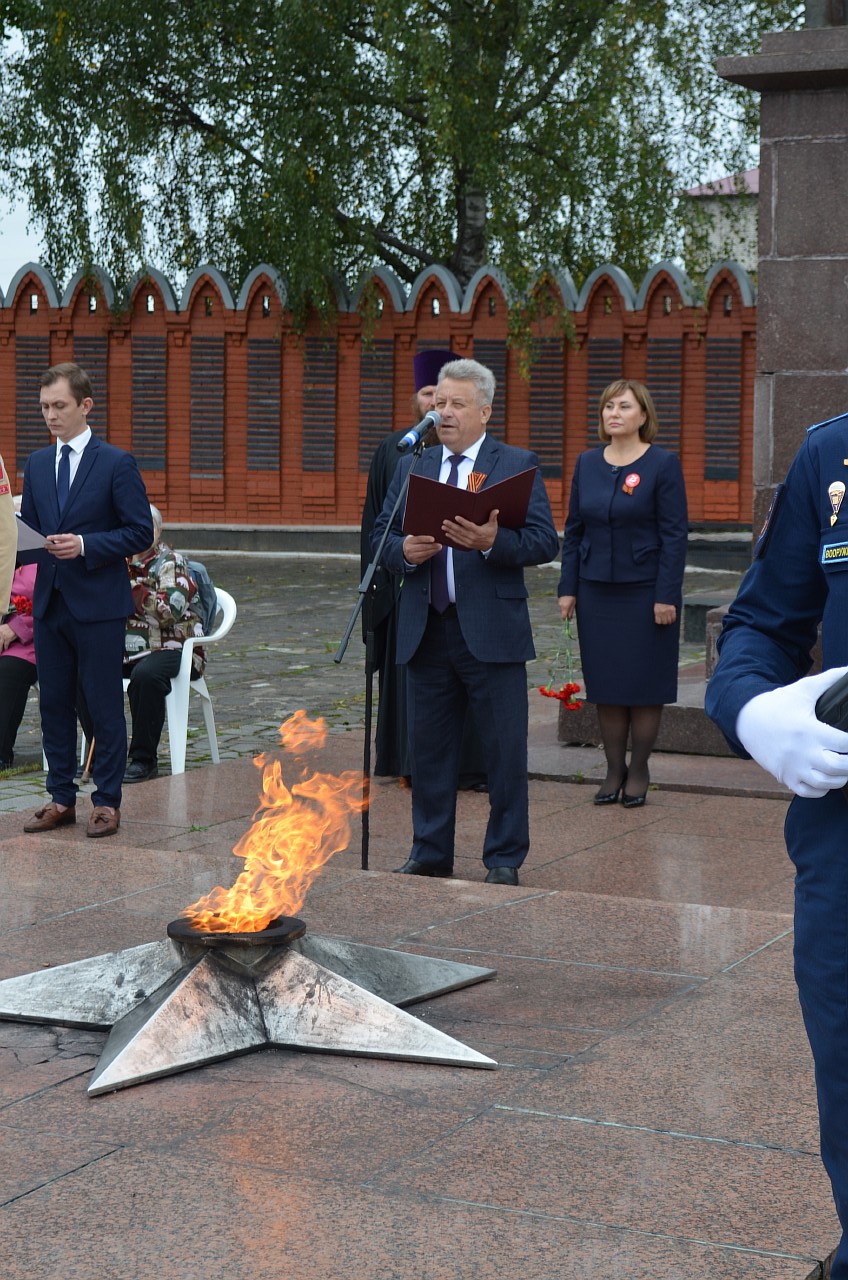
{"x": 564, "y": 60}
{"x": 190, "y": 116}
{"x": 387, "y": 241}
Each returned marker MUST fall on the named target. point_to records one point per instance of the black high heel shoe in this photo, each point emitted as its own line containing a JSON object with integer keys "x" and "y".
{"x": 610, "y": 797}
{"x": 634, "y": 802}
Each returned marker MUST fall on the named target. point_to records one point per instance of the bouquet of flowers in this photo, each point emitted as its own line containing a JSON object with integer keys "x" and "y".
{"x": 17, "y": 604}
{"x": 562, "y": 672}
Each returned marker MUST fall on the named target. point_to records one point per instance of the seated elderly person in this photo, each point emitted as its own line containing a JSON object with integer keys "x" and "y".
{"x": 167, "y": 612}
{"x": 17, "y": 659}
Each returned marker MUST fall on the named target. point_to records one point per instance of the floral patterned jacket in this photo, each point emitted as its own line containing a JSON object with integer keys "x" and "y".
{"x": 167, "y": 609}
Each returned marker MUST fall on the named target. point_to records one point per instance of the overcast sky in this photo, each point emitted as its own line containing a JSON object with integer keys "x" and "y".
{"x": 17, "y": 245}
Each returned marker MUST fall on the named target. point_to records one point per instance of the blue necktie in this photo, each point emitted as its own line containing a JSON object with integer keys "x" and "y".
{"x": 439, "y": 598}
{"x": 63, "y": 477}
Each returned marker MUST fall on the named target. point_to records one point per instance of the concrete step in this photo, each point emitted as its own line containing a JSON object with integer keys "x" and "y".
{"x": 696, "y": 606}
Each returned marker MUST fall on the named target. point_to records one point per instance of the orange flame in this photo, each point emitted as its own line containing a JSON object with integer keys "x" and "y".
{"x": 294, "y": 833}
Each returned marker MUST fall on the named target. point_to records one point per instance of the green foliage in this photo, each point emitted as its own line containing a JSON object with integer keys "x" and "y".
{"x": 325, "y": 136}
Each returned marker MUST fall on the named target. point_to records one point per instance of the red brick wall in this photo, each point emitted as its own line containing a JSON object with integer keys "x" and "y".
{"x": 301, "y": 462}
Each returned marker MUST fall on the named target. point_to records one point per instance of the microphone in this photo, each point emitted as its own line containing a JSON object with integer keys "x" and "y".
{"x": 431, "y": 419}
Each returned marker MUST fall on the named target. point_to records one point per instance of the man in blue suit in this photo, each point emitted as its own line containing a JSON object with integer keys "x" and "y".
{"x": 89, "y": 501}
{"x": 464, "y": 632}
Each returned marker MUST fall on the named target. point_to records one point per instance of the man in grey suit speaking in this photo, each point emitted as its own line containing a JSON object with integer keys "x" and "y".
{"x": 464, "y": 632}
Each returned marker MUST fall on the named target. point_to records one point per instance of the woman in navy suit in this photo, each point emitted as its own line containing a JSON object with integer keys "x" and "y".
{"x": 623, "y": 557}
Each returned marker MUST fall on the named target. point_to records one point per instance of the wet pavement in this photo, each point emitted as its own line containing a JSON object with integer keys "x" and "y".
{"x": 279, "y": 656}
{"x": 652, "y": 1114}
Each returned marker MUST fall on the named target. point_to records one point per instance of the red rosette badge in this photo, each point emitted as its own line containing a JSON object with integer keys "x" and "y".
{"x": 631, "y": 481}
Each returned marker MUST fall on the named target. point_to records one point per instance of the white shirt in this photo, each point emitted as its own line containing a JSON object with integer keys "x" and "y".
{"x": 74, "y": 458}
{"x": 463, "y": 471}
{"x": 77, "y": 445}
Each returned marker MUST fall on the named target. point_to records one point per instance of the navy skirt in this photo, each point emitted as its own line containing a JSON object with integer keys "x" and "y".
{"x": 627, "y": 660}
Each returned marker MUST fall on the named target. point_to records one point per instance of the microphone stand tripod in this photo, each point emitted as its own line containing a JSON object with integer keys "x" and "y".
{"x": 364, "y": 588}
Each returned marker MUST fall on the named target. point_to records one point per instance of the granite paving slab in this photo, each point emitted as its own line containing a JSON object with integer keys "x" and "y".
{"x": 126, "y": 1214}
{"x": 653, "y": 1113}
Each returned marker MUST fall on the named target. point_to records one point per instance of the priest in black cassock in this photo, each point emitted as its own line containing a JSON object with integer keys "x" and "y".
{"x": 380, "y": 608}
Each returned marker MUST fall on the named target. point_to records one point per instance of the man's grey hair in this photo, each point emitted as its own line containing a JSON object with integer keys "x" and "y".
{"x": 471, "y": 371}
{"x": 156, "y": 517}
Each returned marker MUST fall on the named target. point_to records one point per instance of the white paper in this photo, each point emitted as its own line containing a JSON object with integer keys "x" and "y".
{"x": 29, "y": 539}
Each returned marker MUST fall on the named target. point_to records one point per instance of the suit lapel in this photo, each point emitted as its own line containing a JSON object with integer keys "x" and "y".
{"x": 488, "y": 459}
{"x": 85, "y": 464}
{"x": 44, "y": 485}
{"x": 431, "y": 462}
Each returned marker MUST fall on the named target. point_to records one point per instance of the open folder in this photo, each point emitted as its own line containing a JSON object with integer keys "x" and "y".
{"x": 429, "y": 502}
{"x": 30, "y": 544}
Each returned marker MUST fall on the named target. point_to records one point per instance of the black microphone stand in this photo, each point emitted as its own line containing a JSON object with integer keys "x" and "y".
{"x": 364, "y": 588}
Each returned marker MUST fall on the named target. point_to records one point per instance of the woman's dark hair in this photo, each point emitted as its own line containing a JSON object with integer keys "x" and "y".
{"x": 642, "y": 395}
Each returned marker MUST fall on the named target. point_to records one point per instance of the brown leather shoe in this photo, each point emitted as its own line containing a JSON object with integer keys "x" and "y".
{"x": 103, "y": 822}
{"x": 50, "y": 816}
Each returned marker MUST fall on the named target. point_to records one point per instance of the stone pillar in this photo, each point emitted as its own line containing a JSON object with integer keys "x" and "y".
{"x": 802, "y": 308}
{"x": 826, "y": 13}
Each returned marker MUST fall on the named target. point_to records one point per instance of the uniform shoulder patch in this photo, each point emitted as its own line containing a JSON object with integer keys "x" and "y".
{"x": 840, "y": 417}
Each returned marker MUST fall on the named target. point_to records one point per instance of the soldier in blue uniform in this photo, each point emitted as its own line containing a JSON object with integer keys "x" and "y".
{"x": 763, "y": 700}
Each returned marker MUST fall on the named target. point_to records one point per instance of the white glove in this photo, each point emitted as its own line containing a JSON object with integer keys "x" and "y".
{"x": 782, "y": 733}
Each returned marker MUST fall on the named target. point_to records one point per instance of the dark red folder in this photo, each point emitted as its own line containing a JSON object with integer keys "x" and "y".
{"x": 428, "y": 503}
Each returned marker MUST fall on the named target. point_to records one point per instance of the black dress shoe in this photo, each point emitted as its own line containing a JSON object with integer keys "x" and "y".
{"x": 633, "y": 802}
{"x": 413, "y": 868}
{"x": 502, "y": 875}
{"x": 610, "y": 797}
{"x": 137, "y": 771}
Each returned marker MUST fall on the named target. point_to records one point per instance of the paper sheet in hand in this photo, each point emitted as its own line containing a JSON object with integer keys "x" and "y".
{"x": 30, "y": 544}
{"x": 429, "y": 502}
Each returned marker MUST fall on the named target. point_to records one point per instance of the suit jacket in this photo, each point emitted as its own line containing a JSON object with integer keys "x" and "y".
{"x": 614, "y": 536}
{"x": 8, "y": 538}
{"x": 491, "y": 595}
{"x": 108, "y": 506}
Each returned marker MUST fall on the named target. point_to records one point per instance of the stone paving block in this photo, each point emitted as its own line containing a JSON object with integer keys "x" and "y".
{"x": 641, "y": 1124}
{"x": 722, "y": 1194}
{"x": 130, "y": 1212}
{"x": 736, "y": 1066}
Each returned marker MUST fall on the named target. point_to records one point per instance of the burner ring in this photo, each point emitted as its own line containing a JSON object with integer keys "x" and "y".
{"x": 279, "y": 933}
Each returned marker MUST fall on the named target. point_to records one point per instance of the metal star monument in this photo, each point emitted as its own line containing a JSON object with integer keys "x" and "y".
{"x": 199, "y": 998}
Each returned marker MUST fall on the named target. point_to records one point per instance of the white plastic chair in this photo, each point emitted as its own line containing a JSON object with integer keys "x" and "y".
{"x": 176, "y": 703}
